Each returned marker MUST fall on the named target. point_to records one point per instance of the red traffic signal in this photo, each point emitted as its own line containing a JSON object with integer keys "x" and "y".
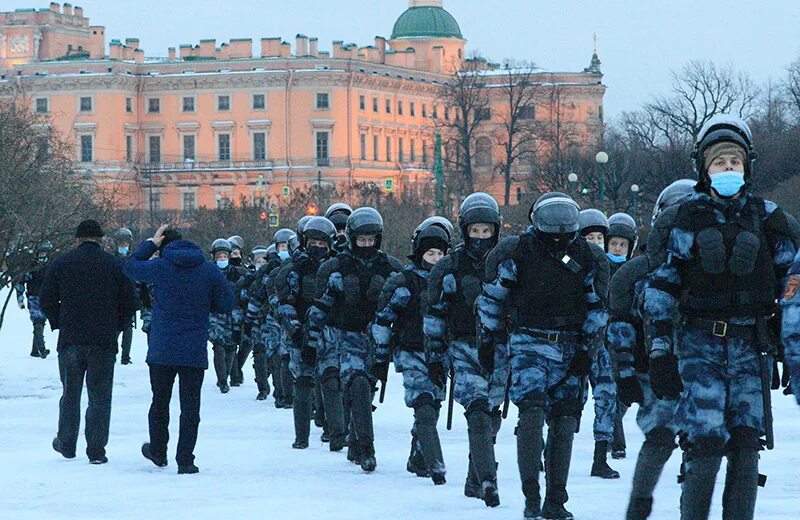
{"x": 311, "y": 210}
{"x": 264, "y": 215}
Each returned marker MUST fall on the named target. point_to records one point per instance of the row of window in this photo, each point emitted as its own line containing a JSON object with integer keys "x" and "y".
{"x": 388, "y": 156}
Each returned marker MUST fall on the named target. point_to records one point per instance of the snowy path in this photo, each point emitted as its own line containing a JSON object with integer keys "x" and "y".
{"x": 248, "y": 467}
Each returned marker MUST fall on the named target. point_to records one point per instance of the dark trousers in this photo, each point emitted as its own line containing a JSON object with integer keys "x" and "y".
{"x": 96, "y": 365}
{"x": 190, "y": 381}
{"x": 127, "y": 340}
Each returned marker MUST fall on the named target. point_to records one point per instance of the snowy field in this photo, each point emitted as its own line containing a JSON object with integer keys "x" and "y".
{"x": 248, "y": 468}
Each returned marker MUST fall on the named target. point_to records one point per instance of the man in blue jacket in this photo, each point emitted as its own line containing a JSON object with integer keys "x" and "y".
{"x": 86, "y": 296}
{"x": 186, "y": 290}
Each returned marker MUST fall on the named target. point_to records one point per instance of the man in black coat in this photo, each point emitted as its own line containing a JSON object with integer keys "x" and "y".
{"x": 86, "y": 296}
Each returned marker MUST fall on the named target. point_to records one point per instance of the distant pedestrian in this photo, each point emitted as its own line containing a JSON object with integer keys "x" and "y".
{"x": 87, "y": 297}
{"x": 186, "y": 289}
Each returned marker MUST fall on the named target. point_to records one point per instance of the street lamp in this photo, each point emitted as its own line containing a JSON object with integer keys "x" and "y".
{"x": 635, "y": 196}
{"x": 572, "y": 178}
{"x": 602, "y": 158}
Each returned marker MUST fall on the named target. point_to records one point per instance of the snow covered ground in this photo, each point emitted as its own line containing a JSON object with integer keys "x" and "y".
{"x": 248, "y": 468}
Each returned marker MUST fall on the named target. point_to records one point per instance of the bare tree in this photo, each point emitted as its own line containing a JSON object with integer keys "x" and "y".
{"x": 466, "y": 105}
{"x": 517, "y": 133}
{"x": 791, "y": 85}
{"x": 701, "y": 90}
{"x": 42, "y": 198}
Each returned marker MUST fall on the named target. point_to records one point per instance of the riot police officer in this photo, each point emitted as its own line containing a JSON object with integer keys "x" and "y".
{"x": 123, "y": 239}
{"x": 541, "y": 284}
{"x": 727, "y": 253}
{"x": 28, "y": 286}
{"x": 221, "y": 326}
{"x": 399, "y": 323}
{"x": 349, "y": 287}
{"x": 257, "y": 258}
{"x": 338, "y": 214}
{"x": 449, "y": 325}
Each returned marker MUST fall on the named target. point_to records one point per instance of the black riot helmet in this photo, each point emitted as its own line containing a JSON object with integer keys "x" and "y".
{"x": 258, "y": 251}
{"x": 479, "y": 208}
{"x": 272, "y": 253}
{"x": 555, "y": 213}
{"x": 676, "y": 193}
{"x": 319, "y": 228}
{"x": 722, "y": 128}
{"x": 592, "y": 221}
{"x": 338, "y": 213}
{"x": 439, "y": 222}
{"x": 364, "y": 221}
{"x": 624, "y": 226}
{"x": 237, "y": 242}
{"x": 220, "y": 244}
{"x": 301, "y": 225}
{"x": 123, "y": 235}
{"x": 428, "y": 237}
{"x": 288, "y": 237}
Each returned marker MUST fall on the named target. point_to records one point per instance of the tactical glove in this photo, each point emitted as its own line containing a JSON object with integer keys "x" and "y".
{"x": 665, "y": 380}
{"x": 309, "y": 355}
{"x": 381, "y": 371}
{"x": 437, "y": 374}
{"x": 629, "y": 391}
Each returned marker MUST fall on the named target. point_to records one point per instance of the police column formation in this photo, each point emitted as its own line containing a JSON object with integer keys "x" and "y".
{"x": 691, "y": 330}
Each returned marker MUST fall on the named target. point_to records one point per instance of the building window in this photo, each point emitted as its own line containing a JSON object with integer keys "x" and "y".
{"x": 435, "y": 112}
{"x": 323, "y": 159}
{"x": 128, "y": 105}
{"x": 87, "y": 148}
{"x": 323, "y": 101}
{"x": 425, "y": 152}
{"x": 483, "y": 152}
{"x": 399, "y": 108}
{"x": 259, "y": 102}
{"x": 413, "y": 151}
{"x": 154, "y": 152}
{"x": 412, "y": 109}
{"x": 375, "y": 147}
{"x": 86, "y": 104}
{"x": 259, "y": 146}
{"x": 129, "y": 148}
{"x": 42, "y": 105}
{"x": 483, "y": 114}
{"x": 224, "y": 147}
{"x": 223, "y": 103}
{"x": 224, "y": 202}
{"x": 388, "y": 149}
{"x": 362, "y": 103}
{"x": 519, "y": 194}
{"x": 527, "y": 112}
{"x": 189, "y": 201}
{"x": 388, "y": 106}
{"x": 424, "y": 110}
{"x": 188, "y": 147}
{"x": 363, "y": 147}
{"x": 155, "y": 201}
{"x": 188, "y": 104}
{"x": 401, "y": 156}
{"x": 447, "y": 113}
{"x": 153, "y": 106}
{"x": 375, "y": 105}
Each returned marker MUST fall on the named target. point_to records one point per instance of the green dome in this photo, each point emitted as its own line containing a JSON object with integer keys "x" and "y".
{"x": 426, "y": 22}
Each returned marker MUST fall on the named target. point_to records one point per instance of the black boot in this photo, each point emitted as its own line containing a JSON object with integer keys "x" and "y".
{"x": 416, "y": 461}
{"x": 656, "y": 450}
{"x": 158, "y": 460}
{"x": 368, "y": 462}
{"x": 221, "y": 368}
{"x": 361, "y": 411}
{"x": 639, "y": 509}
{"x": 489, "y": 493}
{"x": 302, "y": 411}
{"x": 558, "y": 456}
{"x": 533, "y": 508}
{"x": 334, "y": 408}
{"x": 481, "y": 447}
{"x": 426, "y": 415}
{"x": 741, "y": 485}
{"x": 700, "y": 475}
{"x": 472, "y": 488}
{"x": 529, "y": 456}
{"x": 600, "y": 467}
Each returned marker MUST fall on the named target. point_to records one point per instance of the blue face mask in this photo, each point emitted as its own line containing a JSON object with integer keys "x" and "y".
{"x": 727, "y": 184}
{"x": 123, "y": 250}
{"x": 481, "y": 246}
{"x": 617, "y": 259}
{"x": 283, "y": 255}
{"x": 222, "y": 264}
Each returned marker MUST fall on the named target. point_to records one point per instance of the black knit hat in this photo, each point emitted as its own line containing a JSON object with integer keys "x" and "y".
{"x": 170, "y": 235}
{"x": 89, "y": 229}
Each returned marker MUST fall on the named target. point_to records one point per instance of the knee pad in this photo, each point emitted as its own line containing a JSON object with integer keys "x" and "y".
{"x": 359, "y": 383}
{"x": 711, "y": 247}
{"x": 562, "y": 427}
{"x": 662, "y": 438}
{"x": 744, "y": 254}
{"x": 566, "y": 407}
{"x": 480, "y": 406}
{"x": 425, "y": 413}
{"x": 426, "y": 400}
{"x": 533, "y": 400}
{"x": 745, "y": 438}
{"x": 330, "y": 379}
{"x": 703, "y": 447}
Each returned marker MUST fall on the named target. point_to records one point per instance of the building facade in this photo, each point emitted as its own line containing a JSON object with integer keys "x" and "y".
{"x": 208, "y": 124}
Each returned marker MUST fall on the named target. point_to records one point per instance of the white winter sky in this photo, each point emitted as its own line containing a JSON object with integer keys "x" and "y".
{"x": 639, "y": 41}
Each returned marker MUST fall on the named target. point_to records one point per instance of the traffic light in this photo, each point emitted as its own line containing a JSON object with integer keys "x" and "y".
{"x": 264, "y": 215}
{"x": 311, "y": 210}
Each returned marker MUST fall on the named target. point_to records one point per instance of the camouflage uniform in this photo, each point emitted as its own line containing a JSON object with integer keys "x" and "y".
{"x": 221, "y": 334}
{"x": 551, "y": 325}
{"x": 33, "y": 282}
{"x": 400, "y": 322}
{"x": 349, "y": 287}
{"x": 450, "y": 325}
{"x": 724, "y": 265}
{"x": 790, "y": 331}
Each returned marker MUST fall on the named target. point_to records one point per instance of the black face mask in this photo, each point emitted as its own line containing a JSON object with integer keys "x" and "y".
{"x": 556, "y": 241}
{"x": 236, "y": 261}
{"x": 365, "y": 252}
{"x": 317, "y": 253}
{"x": 480, "y": 247}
